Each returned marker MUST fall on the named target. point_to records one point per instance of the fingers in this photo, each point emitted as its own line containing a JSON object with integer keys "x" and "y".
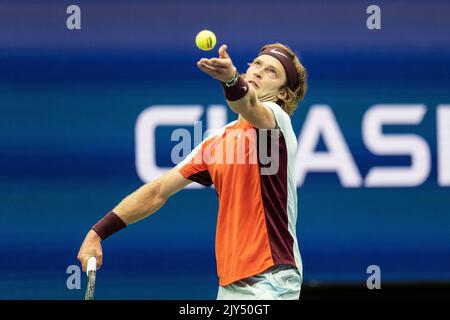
{"x": 223, "y": 51}
{"x": 214, "y": 63}
{"x": 85, "y": 257}
{"x": 217, "y": 68}
{"x": 81, "y": 259}
{"x": 221, "y": 63}
{"x": 208, "y": 67}
{"x": 207, "y": 63}
{"x": 91, "y": 247}
{"x": 99, "y": 261}
{"x": 83, "y": 262}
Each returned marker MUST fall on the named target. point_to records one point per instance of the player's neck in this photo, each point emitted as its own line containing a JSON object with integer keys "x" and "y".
{"x": 240, "y": 119}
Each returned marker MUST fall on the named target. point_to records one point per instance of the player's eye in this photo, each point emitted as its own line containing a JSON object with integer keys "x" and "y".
{"x": 272, "y": 72}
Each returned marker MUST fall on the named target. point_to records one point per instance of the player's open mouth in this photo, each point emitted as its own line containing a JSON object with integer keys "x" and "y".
{"x": 253, "y": 83}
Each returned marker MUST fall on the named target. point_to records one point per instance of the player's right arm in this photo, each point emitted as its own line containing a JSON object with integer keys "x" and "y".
{"x": 150, "y": 197}
{"x": 143, "y": 202}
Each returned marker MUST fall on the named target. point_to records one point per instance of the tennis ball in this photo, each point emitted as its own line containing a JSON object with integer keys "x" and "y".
{"x": 205, "y": 40}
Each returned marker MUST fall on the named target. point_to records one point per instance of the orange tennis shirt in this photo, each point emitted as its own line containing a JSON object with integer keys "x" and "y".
{"x": 253, "y": 173}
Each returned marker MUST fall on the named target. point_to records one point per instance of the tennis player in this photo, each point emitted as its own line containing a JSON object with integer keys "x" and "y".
{"x": 257, "y": 252}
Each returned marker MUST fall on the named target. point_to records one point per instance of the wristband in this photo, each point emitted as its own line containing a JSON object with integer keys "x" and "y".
{"x": 237, "y": 91}
{"x": 109, "y": 224}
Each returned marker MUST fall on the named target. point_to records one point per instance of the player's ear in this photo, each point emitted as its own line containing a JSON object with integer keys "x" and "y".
{"x": 282, "y": 94}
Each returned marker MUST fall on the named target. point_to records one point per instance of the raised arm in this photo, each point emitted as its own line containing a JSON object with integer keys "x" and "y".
{"x": 248, "y": 106}
{"x": 140, "y": 204}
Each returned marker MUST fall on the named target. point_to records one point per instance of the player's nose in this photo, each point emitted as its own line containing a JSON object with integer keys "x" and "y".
{"x": 257, "y": 74}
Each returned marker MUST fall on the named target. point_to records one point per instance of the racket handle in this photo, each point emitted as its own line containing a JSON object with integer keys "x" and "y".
{"x": 91, "y": 265}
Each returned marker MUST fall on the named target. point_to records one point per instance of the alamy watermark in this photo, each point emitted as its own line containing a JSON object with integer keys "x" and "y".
{"x": 373, "y": 22}
{"x": 374, "y": 280}
{"x": 73, "y": 21}
{"x": 74, "y": 279}
{"x": 229, "y": 146}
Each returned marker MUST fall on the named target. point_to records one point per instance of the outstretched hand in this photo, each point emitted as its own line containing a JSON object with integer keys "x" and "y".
{"x": 220, "y": 68}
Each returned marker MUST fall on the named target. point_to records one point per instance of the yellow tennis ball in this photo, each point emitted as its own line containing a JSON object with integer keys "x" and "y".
{"x": 205, "y": 40}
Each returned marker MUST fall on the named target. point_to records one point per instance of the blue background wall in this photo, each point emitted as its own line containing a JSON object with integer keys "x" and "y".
{"x": 69, "y": 101}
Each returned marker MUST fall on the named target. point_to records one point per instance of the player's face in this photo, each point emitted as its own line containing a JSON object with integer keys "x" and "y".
{"x": 266, "y": 75}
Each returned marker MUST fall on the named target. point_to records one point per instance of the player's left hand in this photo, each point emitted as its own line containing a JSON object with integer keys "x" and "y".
{"x": 220, "y": 68}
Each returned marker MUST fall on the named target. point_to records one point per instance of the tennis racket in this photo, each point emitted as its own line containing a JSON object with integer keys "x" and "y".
{"x": 91, "y": 271}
